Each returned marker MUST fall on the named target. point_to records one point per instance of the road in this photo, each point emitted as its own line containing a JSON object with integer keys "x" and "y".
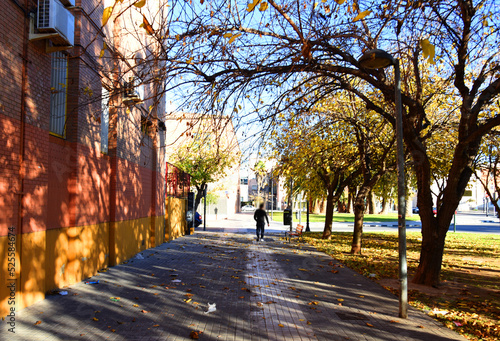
{"x": 470, "y": 222}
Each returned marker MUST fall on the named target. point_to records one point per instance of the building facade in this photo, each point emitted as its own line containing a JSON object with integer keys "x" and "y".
{"x": 82, "y": 175}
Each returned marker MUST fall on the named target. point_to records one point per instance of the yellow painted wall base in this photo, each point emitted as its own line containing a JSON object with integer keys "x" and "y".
{"x": 52, "y": 259}
{"x": 7, "y": 278}
{"x": 75, "y": 253}
{"x": 175, "y": 218}
{"x": 128, "y": 238}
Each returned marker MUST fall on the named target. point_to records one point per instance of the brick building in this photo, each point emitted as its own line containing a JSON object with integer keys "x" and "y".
{"x": 81, "y": 173}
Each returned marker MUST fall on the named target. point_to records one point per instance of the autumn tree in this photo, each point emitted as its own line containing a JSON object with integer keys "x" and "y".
{"x": 487, "y": 168}
{"x": 260, "y": 171}
{"x": 317, "y": 156}
{"x": 257, "y": 57}
{"x": 372, "y": 144}
{"x": 208, "y": 151}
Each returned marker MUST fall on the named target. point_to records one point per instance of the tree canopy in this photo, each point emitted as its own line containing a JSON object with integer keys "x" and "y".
{"x": 261, "y": 59}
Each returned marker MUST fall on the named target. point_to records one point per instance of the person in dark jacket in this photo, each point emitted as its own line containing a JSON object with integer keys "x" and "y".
{"x": 260, "y": 216}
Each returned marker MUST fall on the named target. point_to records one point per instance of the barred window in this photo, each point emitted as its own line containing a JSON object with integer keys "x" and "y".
{"x": 104, "y": 120}
{"x": 58, "y": 87}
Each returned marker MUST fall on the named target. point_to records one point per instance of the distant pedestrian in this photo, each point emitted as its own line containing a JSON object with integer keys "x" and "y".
{"x": 259, "y": 216}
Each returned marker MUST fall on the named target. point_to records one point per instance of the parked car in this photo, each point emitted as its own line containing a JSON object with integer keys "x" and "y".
{"x": 247, "y": 208}
{"x": 197, "y": 219}
{"x": 415, "y": 210}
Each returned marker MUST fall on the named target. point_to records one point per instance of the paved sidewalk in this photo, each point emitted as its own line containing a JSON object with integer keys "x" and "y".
{"x": 263, "y": 291}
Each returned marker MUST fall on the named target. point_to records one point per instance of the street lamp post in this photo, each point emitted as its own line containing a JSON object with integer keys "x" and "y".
{"x": 308, "y": 229}
{"x": 376, "y": 59}
{"x": 205, "y": 209}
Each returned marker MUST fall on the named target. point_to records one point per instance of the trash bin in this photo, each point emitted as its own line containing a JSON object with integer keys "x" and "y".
{"x": 287, "y": 217}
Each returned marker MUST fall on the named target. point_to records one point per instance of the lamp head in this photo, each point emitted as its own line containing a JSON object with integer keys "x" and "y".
{"x": 376, "y": 59}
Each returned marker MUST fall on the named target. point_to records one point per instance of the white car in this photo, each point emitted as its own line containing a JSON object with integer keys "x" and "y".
{"x": 247, "y": 208}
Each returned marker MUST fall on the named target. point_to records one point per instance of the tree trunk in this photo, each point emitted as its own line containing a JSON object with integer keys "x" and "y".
{"x": 434, "y": 228}
{"x": 327, "y": 232}
{"x": 199, "y": 195}
{"x": 359, "y": 213}
{"x": 431, "y": 257}
{"x": 385, "y": 206}
{"x": 409, "y": 209}
{"x": 350, "y": 199}
{"x": 371, "y": 203}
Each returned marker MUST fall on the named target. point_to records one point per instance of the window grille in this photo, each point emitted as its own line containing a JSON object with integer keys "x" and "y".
{"x": 178, "y": 182}
{"x": 58, "y": 87}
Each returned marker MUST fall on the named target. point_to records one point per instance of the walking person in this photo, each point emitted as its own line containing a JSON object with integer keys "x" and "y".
{"x": 259, "y": 216}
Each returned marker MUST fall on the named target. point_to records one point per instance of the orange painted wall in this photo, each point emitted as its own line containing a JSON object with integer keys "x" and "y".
{"x": 175, "y": 213}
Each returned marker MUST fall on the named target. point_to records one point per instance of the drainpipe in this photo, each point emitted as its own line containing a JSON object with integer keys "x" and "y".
{"x": 20, "y": 193}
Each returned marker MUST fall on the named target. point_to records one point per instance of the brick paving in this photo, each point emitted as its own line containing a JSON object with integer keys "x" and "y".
{"x": 270, "y": 290}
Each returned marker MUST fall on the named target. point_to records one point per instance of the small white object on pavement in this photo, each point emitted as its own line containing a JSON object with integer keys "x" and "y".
{"x": 211, "y": 308}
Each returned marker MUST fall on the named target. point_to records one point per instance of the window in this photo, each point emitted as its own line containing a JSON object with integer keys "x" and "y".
{"x": 58, "y": 88}
{"x": 244, "y": 181}
{"x": 104, "y": 120}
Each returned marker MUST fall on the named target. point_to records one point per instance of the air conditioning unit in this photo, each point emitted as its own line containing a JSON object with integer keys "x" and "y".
{"x": 53, "y": 17}
{"x": 131, "y": 96}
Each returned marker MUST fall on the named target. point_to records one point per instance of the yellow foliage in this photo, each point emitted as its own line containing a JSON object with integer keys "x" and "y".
{"x": 252, "y": 5}
{"x": 103, "y": 50}
{"x": 361, "y": 15}
{"x": 106, "y": 14}
{"x": 428, "y": 50}
{"x": 233, "y": 38}
{"x": 140, "y": 3}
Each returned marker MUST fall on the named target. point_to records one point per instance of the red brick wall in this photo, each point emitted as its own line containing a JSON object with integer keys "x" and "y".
{"x": 67, "y": 181}
{"x": 36, "y": 164}
{"x": 92, "y": 192}
{"x": 9, "y": 172}
{"x": 12, "y": 25}
{"x": 61, "y": 167}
